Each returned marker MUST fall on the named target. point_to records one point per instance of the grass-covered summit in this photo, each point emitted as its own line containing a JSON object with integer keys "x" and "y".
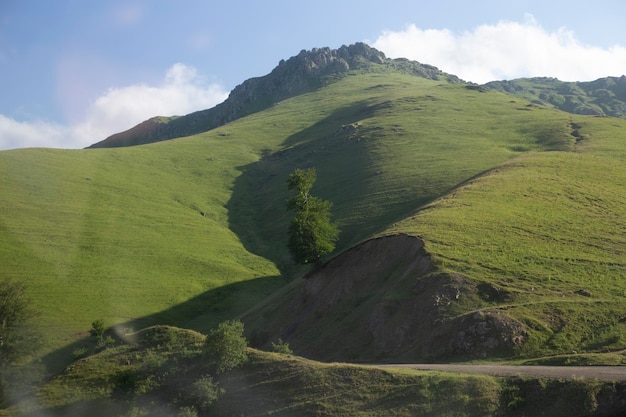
{"x": 305, "y": 72}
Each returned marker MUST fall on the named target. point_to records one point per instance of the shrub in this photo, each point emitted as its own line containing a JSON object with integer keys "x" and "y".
{"x": 281, "y": 347}
{"x": 226, "y": 345}
{"x": 187, "y": 412}
{"x": 97, "y": 329}
{"x": 125, "y": 383}
{"x": 205, "y": 392}
{"x": 80, "y": 352}
{"x": 18, "y": 337}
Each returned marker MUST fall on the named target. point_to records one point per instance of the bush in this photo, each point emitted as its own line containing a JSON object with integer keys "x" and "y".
{"x": 226, "y": 345}
{"x": 281, "y": 347}
{"x": 18, "y": 337}
{"x": 80, "y": 352}
{"x": 97, "y": 329}
{"x": 187, "y": 412}
{"x": 205, "y": 392}
{"x": 125, "y": 384}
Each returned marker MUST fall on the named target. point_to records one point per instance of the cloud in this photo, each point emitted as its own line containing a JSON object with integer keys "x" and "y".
{"x": 128, "y": 14}
{"x": 505, "y": 50}
{"x": 14, "y": 134}
{"x": 200, "y": 41}
{"x": 181, "y": 91}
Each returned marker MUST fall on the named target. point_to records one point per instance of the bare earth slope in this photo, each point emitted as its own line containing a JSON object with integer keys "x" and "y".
{"x": 384, "y": 299}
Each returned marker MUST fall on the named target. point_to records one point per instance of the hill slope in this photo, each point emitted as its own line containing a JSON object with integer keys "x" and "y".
{"x": 191, "y": 231}
{"x": 307, "y": 71}
{"x": 157, "y": 375}
{"x": 602, "y": 97}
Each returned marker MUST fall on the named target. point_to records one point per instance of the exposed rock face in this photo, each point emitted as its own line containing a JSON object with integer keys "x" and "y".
{"x": 383, "y": 300}
{"x": 299, "y": 74}
{"x": 480, "y": 333}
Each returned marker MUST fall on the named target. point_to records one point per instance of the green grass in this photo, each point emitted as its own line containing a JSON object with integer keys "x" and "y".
{"x": 549, "y": 228}
{"x": 602, "y": 97}
{"x": 157, "y": 370}
{"x": 119, "y": 234}
{"x": 192, "y": 231}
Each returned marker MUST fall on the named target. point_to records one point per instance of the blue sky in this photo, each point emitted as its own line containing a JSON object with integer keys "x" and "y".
{"x": 76, "y": 71}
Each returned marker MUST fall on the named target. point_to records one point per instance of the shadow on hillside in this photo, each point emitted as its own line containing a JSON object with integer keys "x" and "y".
{"x": 199, "y": 313}
{"x": 257, "y": 211}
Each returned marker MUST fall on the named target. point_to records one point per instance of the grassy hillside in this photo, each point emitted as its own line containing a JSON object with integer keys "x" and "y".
{"x": 191, "y": 231}
{"x": 157, "y": 374}
{"x": 123, "y": 235}
{"x": 546, "y": 230}
{"x": 604, "y": 96}
{"x": 383, "y": 144}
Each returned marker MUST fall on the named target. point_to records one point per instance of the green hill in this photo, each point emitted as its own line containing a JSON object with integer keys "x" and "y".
{"x": 159, "y": 374}
{"x": 602, "y": 97}
{"x": 305, "y": 72}
{"x": 506, "y": 220}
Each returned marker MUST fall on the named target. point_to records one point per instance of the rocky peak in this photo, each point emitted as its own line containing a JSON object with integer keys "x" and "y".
{"x": 303, "y": 72}
{"x": 308, "y": 70}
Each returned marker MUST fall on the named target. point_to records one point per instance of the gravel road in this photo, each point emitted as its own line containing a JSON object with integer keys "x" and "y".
{"x": 604, "y": 373}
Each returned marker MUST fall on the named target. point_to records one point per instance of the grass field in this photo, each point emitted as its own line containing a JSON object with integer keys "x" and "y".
{"x": 192, "y": 231}
{"x": 124, "y": 234}
{"x": 159, "y": 370}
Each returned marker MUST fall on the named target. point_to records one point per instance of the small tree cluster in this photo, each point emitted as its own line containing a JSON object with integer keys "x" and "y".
{"x": 97, "y": 330}
{"x": 226, "y": 345}
{"x": 312, "y": 234}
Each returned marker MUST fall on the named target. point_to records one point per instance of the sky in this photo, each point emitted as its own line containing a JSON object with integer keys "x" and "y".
{"x": 73, "y": 72}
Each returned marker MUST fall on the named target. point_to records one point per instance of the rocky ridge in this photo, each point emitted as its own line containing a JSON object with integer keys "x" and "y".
{"x": 299, "y": 74}
{"x": 602, "y": 97}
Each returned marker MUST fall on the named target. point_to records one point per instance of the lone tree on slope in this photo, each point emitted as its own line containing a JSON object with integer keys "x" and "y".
{"x": 312, "y": 234}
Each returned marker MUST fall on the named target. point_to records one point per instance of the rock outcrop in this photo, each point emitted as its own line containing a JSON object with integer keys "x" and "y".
{"x": 302, "y": 73}
{"x": 384, "y": 300}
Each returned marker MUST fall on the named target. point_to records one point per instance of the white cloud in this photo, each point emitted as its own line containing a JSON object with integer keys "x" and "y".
{"x": 128, "y": 14}
{"x": 505, "y": 50}
{"x": 182, "y": 91}
{"x": 14, "y": 134}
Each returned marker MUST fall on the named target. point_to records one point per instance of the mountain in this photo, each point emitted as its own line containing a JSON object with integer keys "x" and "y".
{"x": 302, "y": 73}
{"x": 474, "y": 225}
{"x": 602, "y": 97}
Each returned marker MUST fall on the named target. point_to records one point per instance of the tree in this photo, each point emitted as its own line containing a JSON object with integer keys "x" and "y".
{"x": 18, "y": 339}
{"x": 312, "y": 234}
{"x": 97, "y": 330}
{"x": 226, "y": 345}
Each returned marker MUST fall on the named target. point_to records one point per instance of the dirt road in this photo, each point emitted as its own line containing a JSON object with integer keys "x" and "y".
{"x": 604, "y": 373}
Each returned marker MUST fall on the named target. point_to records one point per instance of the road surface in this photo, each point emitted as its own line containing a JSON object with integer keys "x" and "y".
{"x": 604, "y": 373}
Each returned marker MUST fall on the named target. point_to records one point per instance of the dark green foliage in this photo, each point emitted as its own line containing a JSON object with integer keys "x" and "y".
{"x": 281, "y": 347}
{"x": 18, "y": 339}
{"x": 125, "y": 384}
{"x": 204, "y": 392}
{"x": 187, "y": 412}
{"x": 97, "y": 329}
{"x": 312, "y": 234}
{"x": 226, "y": 345}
